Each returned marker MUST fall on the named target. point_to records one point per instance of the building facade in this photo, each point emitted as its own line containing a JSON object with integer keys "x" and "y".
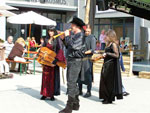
{"x": 61, "y": 11}
{"x": 130, "y": 28}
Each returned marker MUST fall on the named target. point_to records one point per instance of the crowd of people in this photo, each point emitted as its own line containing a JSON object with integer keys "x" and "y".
{"x": 80, "y": 45}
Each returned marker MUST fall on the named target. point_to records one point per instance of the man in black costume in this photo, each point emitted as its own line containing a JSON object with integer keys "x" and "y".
{"x": 90, "y": 42}
{"x": 76, "y": 49}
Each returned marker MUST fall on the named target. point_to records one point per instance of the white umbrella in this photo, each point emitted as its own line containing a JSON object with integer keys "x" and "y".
{"x": 6, "y": 13}
{"x": 31, "y": 18}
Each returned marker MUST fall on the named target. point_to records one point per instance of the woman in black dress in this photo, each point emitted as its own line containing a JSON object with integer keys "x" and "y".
{"x": 111, "y": 82}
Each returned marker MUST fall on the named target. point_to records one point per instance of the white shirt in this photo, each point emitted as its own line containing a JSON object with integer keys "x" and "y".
{"x": 8, "y": 48}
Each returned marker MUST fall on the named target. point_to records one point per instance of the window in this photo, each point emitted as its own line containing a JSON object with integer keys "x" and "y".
{"x": 104, "y": 21}
{"x": 129, "y": 32}
{"x": 119, "y": 30}
{"x": 117, "y": 21}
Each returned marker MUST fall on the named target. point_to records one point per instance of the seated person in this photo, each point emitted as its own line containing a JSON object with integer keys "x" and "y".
{"x": 18, "y": 51}
{"x": 4, "y": 67}
{"x": 9, "y": 45}
{"x": 98, "y": 45}
{"x": 123, "y": 46}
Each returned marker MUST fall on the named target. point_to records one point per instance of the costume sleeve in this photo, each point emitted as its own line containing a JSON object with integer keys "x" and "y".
{"x": 79, "y": 53}
{"x": 116, "y": 51}
{"x": 93, "y": 44}
{"x": 77, "y": 46}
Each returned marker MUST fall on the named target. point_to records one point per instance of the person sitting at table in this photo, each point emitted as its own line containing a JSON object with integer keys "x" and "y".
{"x": 4, "y": 67}
{"x": 18, "y": 51}
{"x": 8, "y": 47}
{"x": 123, "y": 46}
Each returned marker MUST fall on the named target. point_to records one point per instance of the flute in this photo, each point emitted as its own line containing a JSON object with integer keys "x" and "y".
{"x": 62, "y": 33}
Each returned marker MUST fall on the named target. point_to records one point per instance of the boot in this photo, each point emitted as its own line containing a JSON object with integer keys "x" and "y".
{"x": 76, "y": 105}
{"x": 43, "y": 98}
{"x": 80, "y": 92}
{"x": 88, "y": 94}
{"x": 69, "y": 106}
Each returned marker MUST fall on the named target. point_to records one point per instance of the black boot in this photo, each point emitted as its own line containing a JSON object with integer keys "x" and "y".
{"x": 107, "y": 102}
{"x": 52, "y": 98}
{"x": 76, "y": 103}
{"x": 43, "y": 98}
{"x": 69, "y": 106}
{"x": 80, "y": 92}
{"x": 88, "y": 94}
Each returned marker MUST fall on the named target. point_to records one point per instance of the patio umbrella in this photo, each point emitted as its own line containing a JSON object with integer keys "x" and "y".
{"x": 6, "y": 13}
{"x": 31, "y": 18}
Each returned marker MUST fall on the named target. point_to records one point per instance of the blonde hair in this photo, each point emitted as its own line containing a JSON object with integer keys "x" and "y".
{"x": 28, "y": 38}
{"x": 20, "y": 40}
{"x": 111, "y": 34}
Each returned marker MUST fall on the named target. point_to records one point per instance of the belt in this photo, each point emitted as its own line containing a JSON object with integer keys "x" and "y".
{"x": 79, "y": 59}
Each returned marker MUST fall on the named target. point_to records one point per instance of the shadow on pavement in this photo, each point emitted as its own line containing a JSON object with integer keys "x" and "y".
{"x": 36, "y": 94}
{"x": 93, "y": 97}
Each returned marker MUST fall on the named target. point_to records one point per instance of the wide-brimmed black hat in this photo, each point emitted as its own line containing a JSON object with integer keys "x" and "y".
{"x": 79, "y": 22}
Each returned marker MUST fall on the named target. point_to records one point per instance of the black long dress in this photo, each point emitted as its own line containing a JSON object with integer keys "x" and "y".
{"x": 111, "y": 82}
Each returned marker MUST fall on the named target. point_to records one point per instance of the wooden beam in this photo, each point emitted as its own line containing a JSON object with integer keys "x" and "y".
{"x": 87, "y": 11}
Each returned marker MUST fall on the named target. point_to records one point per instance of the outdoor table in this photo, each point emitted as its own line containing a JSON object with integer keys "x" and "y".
{"x": 7, "y": 60}
{"x": 28, "y": 58}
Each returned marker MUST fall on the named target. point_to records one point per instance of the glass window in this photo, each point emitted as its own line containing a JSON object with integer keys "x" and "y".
{"x": 55, "y": 17}
{"x": 44, "y": 14}
{"x": 14, "y": 30}
{"x": 129, "y": 20}
{"x": 117, "y": 21}
{"x": 96, "y": 32}
{"x": 104, "y": 21}
{"x": 96, "y": 21}
{"x": 119, "y": 30}
{"x": 129, "y": 32}
{"x": 63, "y": 18}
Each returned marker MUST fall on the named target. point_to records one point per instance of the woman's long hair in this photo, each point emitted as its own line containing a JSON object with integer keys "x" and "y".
{"x": 55, "y": 40}
{"x": 111, "y": 34}
{"x": 20, "y": 40}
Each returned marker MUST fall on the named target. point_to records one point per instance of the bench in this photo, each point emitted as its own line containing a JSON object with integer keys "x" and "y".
{"x": 12, "y": 61}
{"x": 144, "y": 74}
{"x": 139, "y": 55}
